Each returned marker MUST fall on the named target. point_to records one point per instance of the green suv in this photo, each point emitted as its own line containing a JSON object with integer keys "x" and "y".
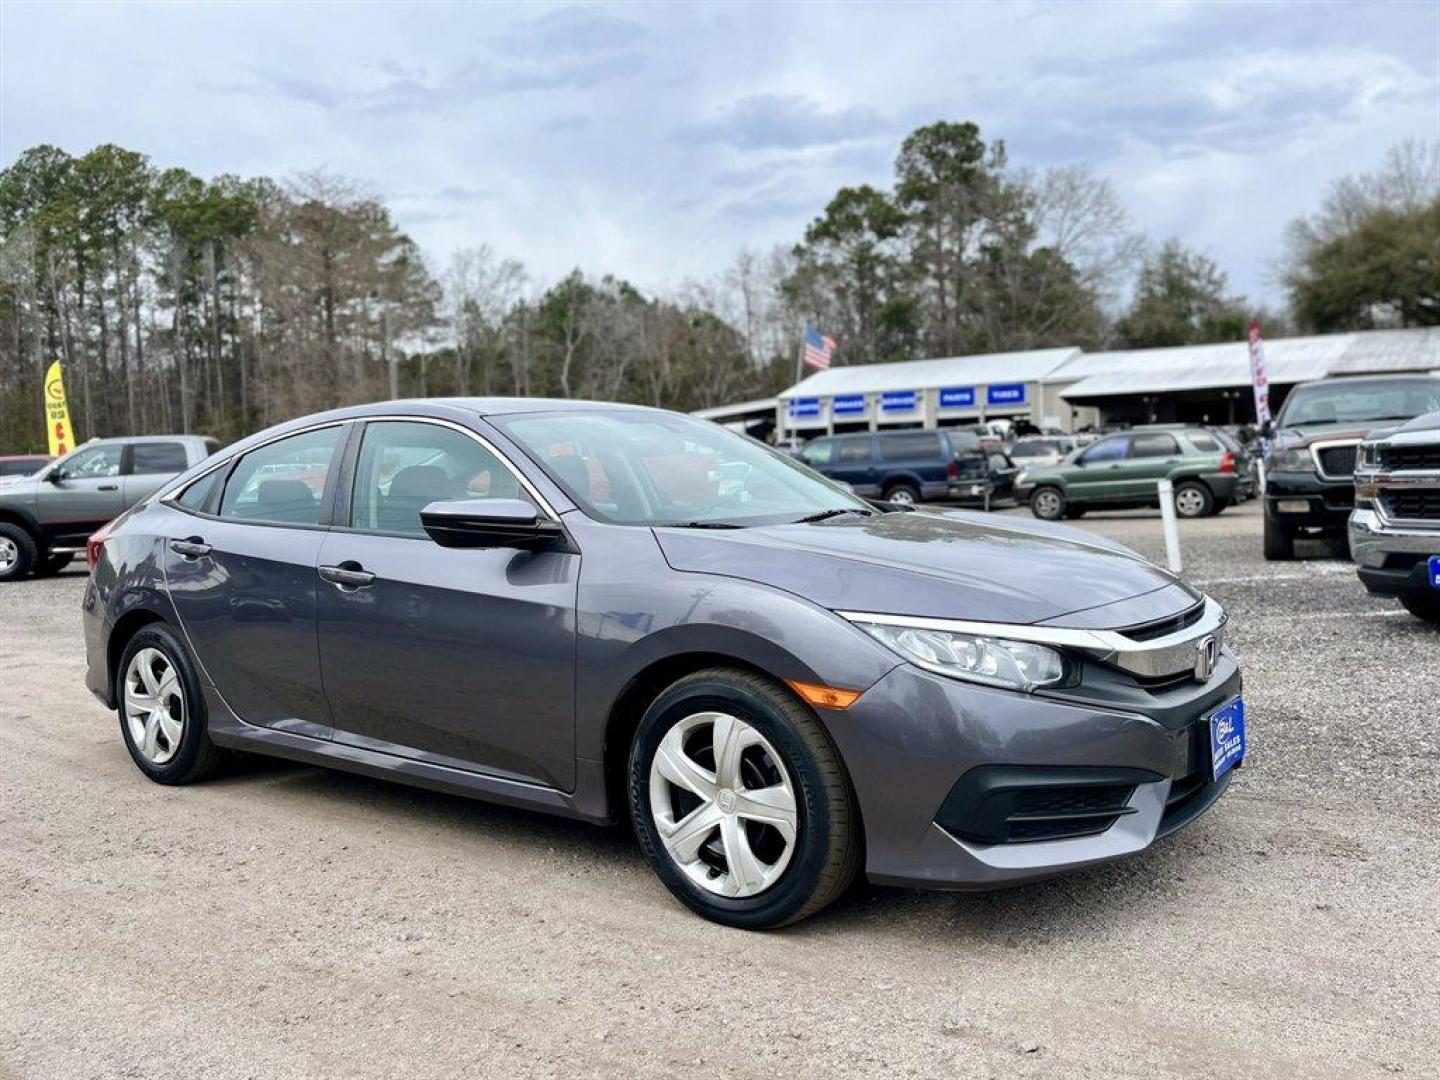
{"x": 1120, "y": 471}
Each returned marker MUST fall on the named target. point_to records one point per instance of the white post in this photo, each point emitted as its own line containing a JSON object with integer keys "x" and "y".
{"x": 1167, "y": 521}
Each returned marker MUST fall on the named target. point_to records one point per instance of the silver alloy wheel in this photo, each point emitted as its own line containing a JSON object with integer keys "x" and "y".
{"x": 714, "y": 843}
{"x": 1189, "y": 502}
{"x": 902, "y": 497}
{"x": 9, "y": 554}
{"x": 154, "y": 706}
{"x": 1046, "y": 503}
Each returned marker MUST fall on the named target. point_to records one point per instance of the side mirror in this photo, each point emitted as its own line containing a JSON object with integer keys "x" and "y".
{"x": 1267, "y": 429}
{"x": 488, "y": 523}
{"x": 54, "y": 476}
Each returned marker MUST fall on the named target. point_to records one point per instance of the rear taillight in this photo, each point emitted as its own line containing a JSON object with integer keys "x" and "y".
{"x": 1227, "y": 462}
{"x": 96, "y": 544}
{"x": 953, "y": 470}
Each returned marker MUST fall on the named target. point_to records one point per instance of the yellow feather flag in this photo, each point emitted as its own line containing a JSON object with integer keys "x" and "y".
{"x": 57, "y": 413}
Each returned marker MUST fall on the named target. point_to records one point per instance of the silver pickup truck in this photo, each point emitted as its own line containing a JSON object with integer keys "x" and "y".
{"x": 46, "y": 517}
{"x": 1395, "y": 526}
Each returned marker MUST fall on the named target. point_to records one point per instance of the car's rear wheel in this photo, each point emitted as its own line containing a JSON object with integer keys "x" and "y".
{"x": 902, "y": 494}
{"x": 17, "y": 552}
{"x": 1193, "y": 500}
{"x": 1048, "y": 504}
{"x": 1421, "y": 606}
{"x": 740, "y": 801}
{"x": 162, "y": 713}
{"x": 1279, "y": 542}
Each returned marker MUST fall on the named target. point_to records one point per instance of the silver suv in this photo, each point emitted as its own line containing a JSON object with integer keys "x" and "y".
{"x": 1395, "y": 526}
{"x": 46, "y": 517}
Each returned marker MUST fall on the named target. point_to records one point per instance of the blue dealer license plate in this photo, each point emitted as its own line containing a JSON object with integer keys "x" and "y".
{"x": 1227, "y": 737}
{"x": 1434, "y": 575}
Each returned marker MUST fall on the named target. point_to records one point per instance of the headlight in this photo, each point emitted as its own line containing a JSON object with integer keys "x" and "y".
{"x": 1016, "y": 665}
{"x": 1291, "y": 459}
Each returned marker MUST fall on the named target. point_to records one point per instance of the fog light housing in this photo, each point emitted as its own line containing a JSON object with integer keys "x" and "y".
{"x": 1293, "y": 506}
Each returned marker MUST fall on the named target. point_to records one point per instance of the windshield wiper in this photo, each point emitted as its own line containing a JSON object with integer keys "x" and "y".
{"x": 822, "y": 515}
{"x": 699, "y": 525}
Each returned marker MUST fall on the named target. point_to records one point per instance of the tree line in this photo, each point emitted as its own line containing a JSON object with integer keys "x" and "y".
{"x": 179, "y": 303}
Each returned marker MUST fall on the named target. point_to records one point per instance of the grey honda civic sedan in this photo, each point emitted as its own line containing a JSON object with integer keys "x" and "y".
{"x": 606, "y": 611}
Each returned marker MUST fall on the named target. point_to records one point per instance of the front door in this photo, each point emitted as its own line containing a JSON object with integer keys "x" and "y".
{"x": 1098, "y": 475}
{"x": 460, "y": 657}
{"x": 80, "y": 494}
{"x": 241, "y": 573}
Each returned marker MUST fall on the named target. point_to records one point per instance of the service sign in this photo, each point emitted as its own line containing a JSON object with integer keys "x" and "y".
{"x": 957, "y": 397}
{"x": 848, "y": 405}
{"x": 898, "y": 400}
{"x": 1005, "y": 394}
{"x": 805, "y": 408}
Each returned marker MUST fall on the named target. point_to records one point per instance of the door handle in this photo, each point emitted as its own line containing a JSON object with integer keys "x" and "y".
{"x": 108, "y": 487}
{"x": 347, "y": 575}
{"x": 193, "y": 548}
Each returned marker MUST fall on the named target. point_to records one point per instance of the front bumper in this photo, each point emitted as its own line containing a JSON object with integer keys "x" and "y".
{"x": 1299, "y": 500}
{"x": 1391, "y": 560}
{"x": 913, "y": 737}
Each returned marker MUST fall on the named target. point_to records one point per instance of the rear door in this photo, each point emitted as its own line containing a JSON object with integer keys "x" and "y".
{"x": 462, "y": 657}
{"x": 854, "y": 463}
{"x": 148, "y": 465}
{"x": 81, "y": 493}
{"x": 240, "y": 566}
{"x": 1152, "y": 455}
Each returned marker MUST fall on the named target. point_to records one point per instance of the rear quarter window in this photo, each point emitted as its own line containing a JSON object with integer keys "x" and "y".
{"x": 1205, "y": 444}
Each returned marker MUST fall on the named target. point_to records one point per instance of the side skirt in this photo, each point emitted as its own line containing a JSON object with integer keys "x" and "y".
{"x": 587, "y": 803}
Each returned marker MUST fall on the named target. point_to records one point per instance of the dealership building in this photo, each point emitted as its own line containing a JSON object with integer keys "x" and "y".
{"x": 1070, "y": 389}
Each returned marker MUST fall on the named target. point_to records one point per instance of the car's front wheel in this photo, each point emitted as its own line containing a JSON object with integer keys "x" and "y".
{"x": 1279, "y": 542}
{"x": 162, "y": 715}
{"x": 17, "y": 552}
{"x": 1048, "y": 504}
{"x": 740, "y": 801}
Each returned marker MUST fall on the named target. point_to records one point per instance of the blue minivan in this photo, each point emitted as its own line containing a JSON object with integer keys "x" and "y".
{"x": 913, "y": 466}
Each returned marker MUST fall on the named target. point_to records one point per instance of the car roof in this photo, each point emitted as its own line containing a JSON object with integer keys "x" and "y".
{"x": 1368, "y": 380}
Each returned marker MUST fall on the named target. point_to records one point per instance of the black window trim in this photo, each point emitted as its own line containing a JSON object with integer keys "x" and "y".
{"x": 344, "y": 496}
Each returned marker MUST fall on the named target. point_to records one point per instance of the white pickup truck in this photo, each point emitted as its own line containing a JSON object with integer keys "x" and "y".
{"x": 1395, "y": 526}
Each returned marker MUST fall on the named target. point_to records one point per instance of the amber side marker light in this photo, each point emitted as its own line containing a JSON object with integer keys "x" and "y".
{"x": 825, "y": 697}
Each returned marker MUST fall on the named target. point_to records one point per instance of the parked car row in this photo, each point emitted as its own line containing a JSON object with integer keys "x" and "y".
{"x": 47, "y": 516}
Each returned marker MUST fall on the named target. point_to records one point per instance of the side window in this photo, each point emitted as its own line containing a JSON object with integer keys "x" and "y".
{"x": 197, "y": 495}
{"x": 404, "y": 466}
{"x": 283, "y": 481}
{"x": 157, "y": 457}
{"x": 1153, "y": 446}
{"x": 909, "y": 447}
{"x": 1205, "y": 444}
{"x": 1000, "y": 462}
{"x": 853, "y": 451}
{"x": 1106, "y": 450}
{"x": 94, "y": 462}
{"x": 818, "y": 452}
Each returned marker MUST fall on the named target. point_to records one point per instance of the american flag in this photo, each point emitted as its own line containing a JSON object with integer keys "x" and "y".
{"x": 818, "y": 348}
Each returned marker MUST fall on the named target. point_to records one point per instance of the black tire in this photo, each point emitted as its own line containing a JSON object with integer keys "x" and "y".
{"x": 1279, "y": 541}
{"x": 197, "y": 757}
{"x": 827, "y": 851}
{"x": 26, "y": 552}
{"x": 1421, "y": 606}
{"x": 1197, "y": 502}
{"x": 904, "y": 494}
{"x": 1048, "y": 503}
{"x": 53, "y": 564}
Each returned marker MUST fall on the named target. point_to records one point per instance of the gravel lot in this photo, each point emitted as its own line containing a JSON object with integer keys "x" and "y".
{"x": 289, "y": 921}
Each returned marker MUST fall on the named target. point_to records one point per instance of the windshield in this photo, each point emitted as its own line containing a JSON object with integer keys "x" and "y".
{"x": 1356, "y": 401}
{"x": 657, "y": 468}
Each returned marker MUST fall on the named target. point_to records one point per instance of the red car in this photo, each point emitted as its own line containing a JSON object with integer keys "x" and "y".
{"x": 23, "y": 464}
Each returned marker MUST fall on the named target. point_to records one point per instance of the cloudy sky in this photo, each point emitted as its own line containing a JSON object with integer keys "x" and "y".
{"x": 656, "y": 140}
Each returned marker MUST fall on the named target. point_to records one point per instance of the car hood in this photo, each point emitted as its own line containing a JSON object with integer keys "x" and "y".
{"x": 1312, "y": 433}
{"x": 942, "y": 564}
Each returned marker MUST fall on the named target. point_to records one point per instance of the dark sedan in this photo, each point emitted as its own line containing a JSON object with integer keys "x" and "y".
{"x": 606, "y": 612}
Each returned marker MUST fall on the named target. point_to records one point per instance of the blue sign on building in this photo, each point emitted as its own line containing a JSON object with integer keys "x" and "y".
{"x": 957, "y": 397}
{"x": 805, "y": 408}
{"x": 848, "y": 405}
{"x": 1005, "y": 394}
{"x": 898, "y": 400}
